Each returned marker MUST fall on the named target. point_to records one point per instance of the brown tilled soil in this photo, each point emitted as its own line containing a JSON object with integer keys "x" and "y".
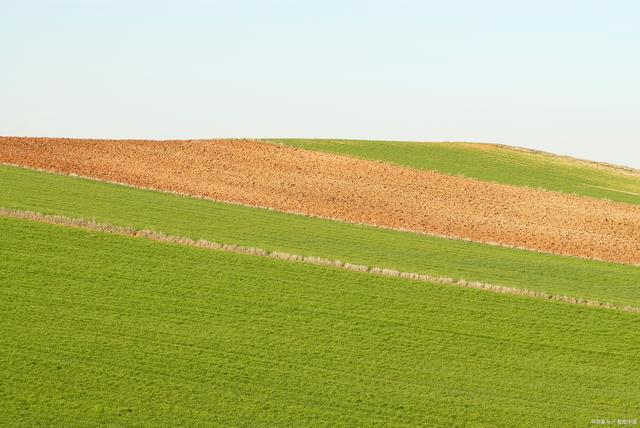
{"x": 344, "y": 188}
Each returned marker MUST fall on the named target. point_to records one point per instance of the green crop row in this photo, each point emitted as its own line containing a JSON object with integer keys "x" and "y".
{"x": 104, "y": 329}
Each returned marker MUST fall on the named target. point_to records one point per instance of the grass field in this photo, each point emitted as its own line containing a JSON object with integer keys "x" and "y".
{"x": 490, "y": 163}
{"x": 201, "y": 219}
{"x": 113, "y": 330}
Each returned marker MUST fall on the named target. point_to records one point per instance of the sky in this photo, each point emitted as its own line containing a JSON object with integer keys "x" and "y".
{"x": 560, "y": 76}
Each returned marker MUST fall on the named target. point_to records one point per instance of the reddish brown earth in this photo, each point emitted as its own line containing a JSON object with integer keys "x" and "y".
{"x": 344, "y": 188}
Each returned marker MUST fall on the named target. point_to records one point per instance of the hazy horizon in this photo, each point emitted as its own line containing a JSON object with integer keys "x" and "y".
{"x": 561, "y": 78}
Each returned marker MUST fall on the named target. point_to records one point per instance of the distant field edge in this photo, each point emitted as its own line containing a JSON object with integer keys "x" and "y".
{"x": 607, "y": 165}
{"x": 102, "y": 227}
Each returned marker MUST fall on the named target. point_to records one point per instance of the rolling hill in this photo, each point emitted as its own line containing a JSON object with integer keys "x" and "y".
{"x": 103, "y": 323}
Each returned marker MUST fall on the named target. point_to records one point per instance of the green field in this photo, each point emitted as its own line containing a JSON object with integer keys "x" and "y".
{"x": 106, "y": 329}
{"x": 200, "y": 219}
{"x": 490, "y": 163}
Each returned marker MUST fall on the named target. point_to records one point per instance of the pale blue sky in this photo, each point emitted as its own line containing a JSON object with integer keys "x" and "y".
{"x": 562, "y": 76}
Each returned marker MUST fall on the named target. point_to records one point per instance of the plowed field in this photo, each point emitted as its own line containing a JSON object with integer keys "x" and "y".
{"x": 354, "y": 190}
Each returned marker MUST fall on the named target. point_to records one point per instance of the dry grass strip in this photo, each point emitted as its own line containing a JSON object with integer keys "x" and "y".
{"x": 92, "y": 225}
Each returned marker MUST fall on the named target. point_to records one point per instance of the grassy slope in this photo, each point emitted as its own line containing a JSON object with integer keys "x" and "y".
{"x": 106, "y": 329}
{"x": 491, "y": 163}
{"x": 200, "y": 219}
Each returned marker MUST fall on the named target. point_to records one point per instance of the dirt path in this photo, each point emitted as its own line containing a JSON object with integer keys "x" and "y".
{"x": 354, "y": 190}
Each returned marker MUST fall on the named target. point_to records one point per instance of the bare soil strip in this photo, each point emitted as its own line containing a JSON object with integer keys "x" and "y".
{"x": 348, "y": 189}
{"x": 92, "y": 225}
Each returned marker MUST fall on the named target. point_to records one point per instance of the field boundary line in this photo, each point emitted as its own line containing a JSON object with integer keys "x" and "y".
{"x": 304, "y": 214}
{"x": 92, "y": 225}
{"x": 614, "y": 190}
